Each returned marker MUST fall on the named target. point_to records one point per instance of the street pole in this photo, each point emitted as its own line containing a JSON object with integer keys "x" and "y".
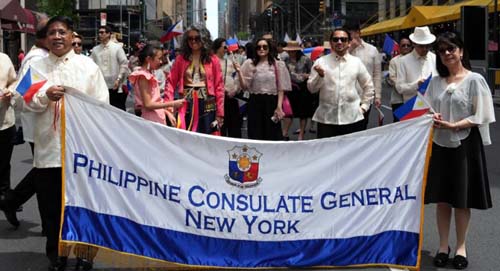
{"x": 121, "y": 20}
{"x": 128, "y": 13}
{"x": 495, "y": 34}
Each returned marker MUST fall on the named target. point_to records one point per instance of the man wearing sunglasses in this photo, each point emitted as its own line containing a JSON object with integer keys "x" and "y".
{"x": 405, "y": 47}
{"x": 335, "y": 76}
{"x": 112, "y": 61}
{"x": 416, "y": 66}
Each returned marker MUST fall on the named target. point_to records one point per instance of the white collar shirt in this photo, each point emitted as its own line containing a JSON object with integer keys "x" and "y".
{"x": 28, "y": 117}
{"x": 412, "y": 68}
{"x": 69, "y": 70}
{"x": 339, "y": 101}
{"x": 7, "y": 78}
{"x": 396, "y": 98}
{"x": 112, "y": 61}
{"x": 370, "y": 57}
{"x": 229, "y": 76}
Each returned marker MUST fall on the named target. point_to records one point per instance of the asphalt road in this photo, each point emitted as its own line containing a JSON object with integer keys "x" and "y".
{"x": 23, "y": 249}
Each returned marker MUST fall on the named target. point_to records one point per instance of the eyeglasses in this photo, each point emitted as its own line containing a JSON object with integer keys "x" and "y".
{"x": 76, "y": 44}
{"x": 450, "y": 49}
{"x": 262, "y": 47}
{"x": 405, "y": 45}
{"x": 342, "y": 39}
{"x": 194, "y": 39}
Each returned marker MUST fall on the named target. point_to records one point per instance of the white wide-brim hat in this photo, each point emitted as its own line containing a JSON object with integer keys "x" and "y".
{"x": 422, "y": 35}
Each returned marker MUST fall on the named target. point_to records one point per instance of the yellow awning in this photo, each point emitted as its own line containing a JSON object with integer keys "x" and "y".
{"x": 425, "y": 15}
{"x": 385, "y": 26}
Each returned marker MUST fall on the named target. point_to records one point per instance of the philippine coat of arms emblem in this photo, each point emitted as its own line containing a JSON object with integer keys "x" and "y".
{"x": 243, "y": 166}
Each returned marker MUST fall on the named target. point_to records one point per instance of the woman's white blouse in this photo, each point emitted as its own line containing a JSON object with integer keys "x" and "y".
{"x": 469, "y": 99}
{"x": 261, "y": 79}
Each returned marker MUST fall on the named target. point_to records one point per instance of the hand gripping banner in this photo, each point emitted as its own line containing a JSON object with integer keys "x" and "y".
{"x": 174, "y": 197}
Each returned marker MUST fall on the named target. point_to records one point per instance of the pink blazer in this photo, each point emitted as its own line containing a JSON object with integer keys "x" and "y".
{"x": 214, "y": 82}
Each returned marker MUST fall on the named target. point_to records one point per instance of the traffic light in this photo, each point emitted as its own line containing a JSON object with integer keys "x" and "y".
{"x": 321, "y": 6}
{"x": 205, "y": 16}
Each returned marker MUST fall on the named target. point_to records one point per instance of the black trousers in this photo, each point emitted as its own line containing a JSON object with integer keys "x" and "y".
{"x": 331, "y": 130}
{"x": 6, "y": 147}
{"x": 260, "y": 110}
{"x": 232, "y": 118}
{"x": 394, "y": 108}
{"x": 117, "y": 99}
{"x": 366, "y": 115}
{"x": 48, "y": 186}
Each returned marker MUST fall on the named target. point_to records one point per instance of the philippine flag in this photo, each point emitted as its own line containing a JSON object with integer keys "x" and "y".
{"x": 416, "y": 106}
{"x": 173, "y": 31}
{"x": 31, "y": 83}
{"x": 390, "y": 46}
{"x": 232, "y": 45}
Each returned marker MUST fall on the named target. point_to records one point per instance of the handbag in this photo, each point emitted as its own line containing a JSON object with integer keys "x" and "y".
{"x": 285, "y": 105}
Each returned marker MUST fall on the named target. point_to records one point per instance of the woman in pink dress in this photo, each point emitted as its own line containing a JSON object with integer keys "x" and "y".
{"x": 152, "y": 105}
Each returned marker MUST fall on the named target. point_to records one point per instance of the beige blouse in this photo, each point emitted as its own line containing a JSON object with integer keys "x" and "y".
{"x": 261, "y": 79}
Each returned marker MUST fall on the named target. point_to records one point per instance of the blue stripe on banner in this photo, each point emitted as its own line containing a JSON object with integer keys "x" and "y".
{"x": 121, "y": 234}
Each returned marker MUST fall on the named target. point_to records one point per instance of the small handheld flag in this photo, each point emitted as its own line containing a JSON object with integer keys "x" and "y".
{"x": 30, "y": 84}
{"x": 424, "y": 85}
{"x": 298, "y": 39}
{"x": 416, "y": 106}
{"x": 286, "y": 38}
{"x": 173, "y": 31}
{"x": 232, "y": 45}
{"x": 390, "y": 46}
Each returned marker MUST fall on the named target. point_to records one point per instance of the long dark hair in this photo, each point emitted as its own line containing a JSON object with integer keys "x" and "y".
{"x": 450, "y": 38}
{"x": 270, "y": 54}
{"x": 206, "y": 42}
{"x": 298, "y": 55}
{"x": 217, "y": 44}
{"x": 250, "y": 50}
{"x": 149, "y": 50}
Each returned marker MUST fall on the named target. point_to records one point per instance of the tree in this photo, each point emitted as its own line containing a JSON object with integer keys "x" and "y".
{"x": 58, "y": 7}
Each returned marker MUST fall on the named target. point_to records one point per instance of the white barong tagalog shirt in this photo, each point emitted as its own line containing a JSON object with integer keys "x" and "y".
{"x": 339, "y": 101}
{"x": 69, "y": 70}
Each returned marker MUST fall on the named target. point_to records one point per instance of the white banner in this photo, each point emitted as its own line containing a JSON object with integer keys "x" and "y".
{"x": 201, "y": 200}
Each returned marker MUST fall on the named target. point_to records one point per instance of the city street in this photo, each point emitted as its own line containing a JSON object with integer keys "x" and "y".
{"x": 24, "y": 249}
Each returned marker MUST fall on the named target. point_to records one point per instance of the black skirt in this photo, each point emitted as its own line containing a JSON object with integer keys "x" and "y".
{"x": 302, "y": 101}
{"x": 458, "y": 176}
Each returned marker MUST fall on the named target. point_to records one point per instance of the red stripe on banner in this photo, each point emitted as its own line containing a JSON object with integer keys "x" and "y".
{"x": 414, "y": 114}
{"x": 33, "y": 90}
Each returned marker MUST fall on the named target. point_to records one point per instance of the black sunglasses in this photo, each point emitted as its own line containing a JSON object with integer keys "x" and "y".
{"x": 195, "y": 38}
{"x": 76, "y": 44}
{"x": 342, "y": 39}
{"x": 405, "y": 45}
{"x": 262, "y": 47}
{"x": 450, "y": 49}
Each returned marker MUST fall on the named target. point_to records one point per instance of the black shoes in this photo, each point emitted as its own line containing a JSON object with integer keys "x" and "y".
{"x": 10, "y": 214}
{"x": 12, "y": 218}
{"x": 84, "y": 264}
{"x": 460, "y": 262}
{"x": 441, "y": 258}
{"x": 60, "y": 265}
